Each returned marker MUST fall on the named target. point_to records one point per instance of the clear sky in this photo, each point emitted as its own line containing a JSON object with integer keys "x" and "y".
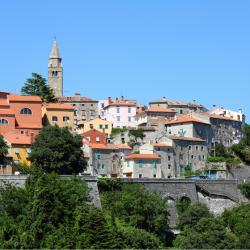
{"x": 142, "y": 49}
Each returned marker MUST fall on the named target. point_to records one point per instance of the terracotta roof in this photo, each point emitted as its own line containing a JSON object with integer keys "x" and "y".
{"x": 4, "y": 102}
{"x": 101, "y": 146}
{"x": 23, "y": 98}
{"x": 160, "y": 110}
{"x": 75, "y": 99}
{"x": 18, "y": 139}
{"x": 183, "y": 138}
{"x": 122, "y": 146}
{"x": 29, "y": 125}
{"x": 142, "y": 156}
{"x": 62, "y": 106}
{"x": 121, "y": 103}
{"x": 161, "y": 145}
{"x": 186, "y": 119}
{"x": 220, "y": 117}
{"x": 175, "y": 103}
{"x": 6, "y": 112}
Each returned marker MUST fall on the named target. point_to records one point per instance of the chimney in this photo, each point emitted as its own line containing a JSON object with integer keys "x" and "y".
{"x": 116, "y": 98}
{"x": 32, "y": 137}
{"x": 122, "y": 98}
{"x": 109, "y": 100}
{"x": 78, "y": 96}
{"x": 214, "y": 105}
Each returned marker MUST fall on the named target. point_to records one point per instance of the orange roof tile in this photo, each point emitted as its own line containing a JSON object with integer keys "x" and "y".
{"x": 29, "y": 125}
{"x": 122, "y": 146}
{"x": 6, "y": 112}
{"x": 18, "y": 139}
{"x": 58, "y": 106}
{"x": 4, "y": 102}
{"x": 160, "y": 110}
{"x": 22, "y": 98}
{"x": 186, "y": 119}
{"x": 143, "y": 156}
{"x": 101, "y": 146}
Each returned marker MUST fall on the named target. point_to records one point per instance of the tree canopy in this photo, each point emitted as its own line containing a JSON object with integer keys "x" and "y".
{"x": 3, "y": 150}
{"x": 57, "y": 150}
{"x": 37, "y": 86}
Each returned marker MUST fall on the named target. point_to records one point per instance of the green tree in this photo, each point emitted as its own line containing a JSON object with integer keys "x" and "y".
{"x": 57, "y": 150}
{"x": 192, "y": 214}
{"x": 37, "y": 86}
{"x": 3, "y": 151}
{"x": 238, "y": 221}
{"x": 245, "y": 189}
{"x": 208, "y": 233}
{"x": 136, "y": 207}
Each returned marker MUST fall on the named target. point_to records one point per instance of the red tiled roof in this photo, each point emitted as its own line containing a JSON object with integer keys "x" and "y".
{"x": 142, "y": 156}
{"x": 22, "y": 98}
{"x": 121, "y": 103}
{"x": 29, "y": 125}
{"x": 186, "y": 119}
{"x": 101, "y": 146}
{"x": 4, "y": 102}
{"x": 75, "y": 99}
{"x": 122, "y": 146}
{"x": 18, "y": 139}
{"x": 160, "y": 110}
{"x": 58, "y": 106}
{"x": 6, "y": 112}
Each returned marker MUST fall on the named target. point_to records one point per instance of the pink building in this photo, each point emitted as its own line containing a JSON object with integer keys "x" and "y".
{"x": 120, "y": 112}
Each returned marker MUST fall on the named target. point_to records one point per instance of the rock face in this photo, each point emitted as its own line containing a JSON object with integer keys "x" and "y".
{"x": 216, "y": 204}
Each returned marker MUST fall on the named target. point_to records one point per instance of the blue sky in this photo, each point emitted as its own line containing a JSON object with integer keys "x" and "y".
{"x": 181, "y": 49}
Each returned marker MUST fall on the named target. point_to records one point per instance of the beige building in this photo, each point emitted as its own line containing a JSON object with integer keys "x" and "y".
{"x": 58, "y": 114}
{"x": 98, "y": 124}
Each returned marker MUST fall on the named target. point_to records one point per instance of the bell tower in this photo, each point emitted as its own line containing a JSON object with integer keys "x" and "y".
{"x": 55, "y": 71}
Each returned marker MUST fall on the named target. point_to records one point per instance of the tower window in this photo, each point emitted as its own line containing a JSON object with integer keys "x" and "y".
{"x": 54, "y": 73}
{"x": 26, "y": 111}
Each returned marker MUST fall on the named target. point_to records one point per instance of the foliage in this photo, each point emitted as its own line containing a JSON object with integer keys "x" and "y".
{"x": 37, "y": 86}
{"x": 3, "y": 150}
{"x": 23, "y": 168}
{"x": 116, "y": 131}
{"x": 208, "y": 233}
{"x": 137, "y": 133}
{"x": 191, "y": 214}
{"x": 57, "y": 150}
{"x": 245, "y": 189}
{"x": 216, "y": 159}
{"x": 138, "y": 208}
{"x": 238, "y": 221}
{"x": 107, "y": 184}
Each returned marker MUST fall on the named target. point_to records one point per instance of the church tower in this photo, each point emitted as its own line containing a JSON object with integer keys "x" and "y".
{"x": 55, "y": 71}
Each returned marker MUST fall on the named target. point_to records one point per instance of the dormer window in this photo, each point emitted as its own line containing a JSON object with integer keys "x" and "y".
{"x": 26, "y": 111}
{"x": 3, "y": 122}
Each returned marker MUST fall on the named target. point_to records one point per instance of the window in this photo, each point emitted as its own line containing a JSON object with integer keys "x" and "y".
{"x": 192, "y": 157}
{"x": 54, "y": 118}
{"x": 201, "y": 148}
{"x": 158, "y": 149}
{"x": 118, "y": 118}
{"x": 75, "y": 112}
{"x": 129, "y": 110}
{"x": 169, "y": 166}
{"x": 117, "y": 110}
{"x": 3, "y": 122}
{"x": 103, "y": 166}
{"x": 91, "y": 126}
{"x": 83, "y": 105}
{"x": 181, "y": 111}
{"x": 103, "y": 113}
{"x": 54, "y": 73}
{"x": 98, "y": 157}
{"x": 190, "y": 147}
{"x": 203, "y": 157}
{"x": 197, "y": 148}
{"x": 154, "y": 164}
{"x": 140, "y": 163}
{"x": 128, "y": 163}
{"x": 106, "y": 126}
{"x": 102, "y": 105}
{"x": 92, "y": 112}
{"x": 129, "y": 118}
{"x": 154, "y": 175}
{"x": 100, "y": 126}
{"x": 140, "y": 175}
{"x": 26, "y": 111}
{"x": 65, "y": 118}
{"x": 98, "y": 165}
{"x": 97, "y": 139}
{"x": 181, "y": 156}
{"x": 169, "y": 158}
{"x": 92, "y": 105}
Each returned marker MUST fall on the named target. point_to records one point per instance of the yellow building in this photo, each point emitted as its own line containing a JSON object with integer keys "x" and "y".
{"x": 98, "y": 124}
{"x": 19, "y": 146}
{"x": 58, "y": 114}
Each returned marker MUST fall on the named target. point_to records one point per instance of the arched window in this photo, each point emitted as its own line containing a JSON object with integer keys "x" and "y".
{"x": 3, "y": 122}
{"x": 26, "y": 111}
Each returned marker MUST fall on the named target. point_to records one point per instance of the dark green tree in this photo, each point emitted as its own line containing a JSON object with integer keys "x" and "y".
{"x": 57, "y": 150}
{"x": 3, "y": 151}
{"x": 208, "y": 233}
{"x": 245, "y": 189}
{"x": 37, "y": 86}
{"x": 238, "y": 221}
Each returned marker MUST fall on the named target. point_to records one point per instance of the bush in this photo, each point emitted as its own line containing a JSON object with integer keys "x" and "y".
{"x": 216, "y": 159}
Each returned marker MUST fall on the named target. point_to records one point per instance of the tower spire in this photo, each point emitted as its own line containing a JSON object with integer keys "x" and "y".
{"x": 55, "y": 51}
